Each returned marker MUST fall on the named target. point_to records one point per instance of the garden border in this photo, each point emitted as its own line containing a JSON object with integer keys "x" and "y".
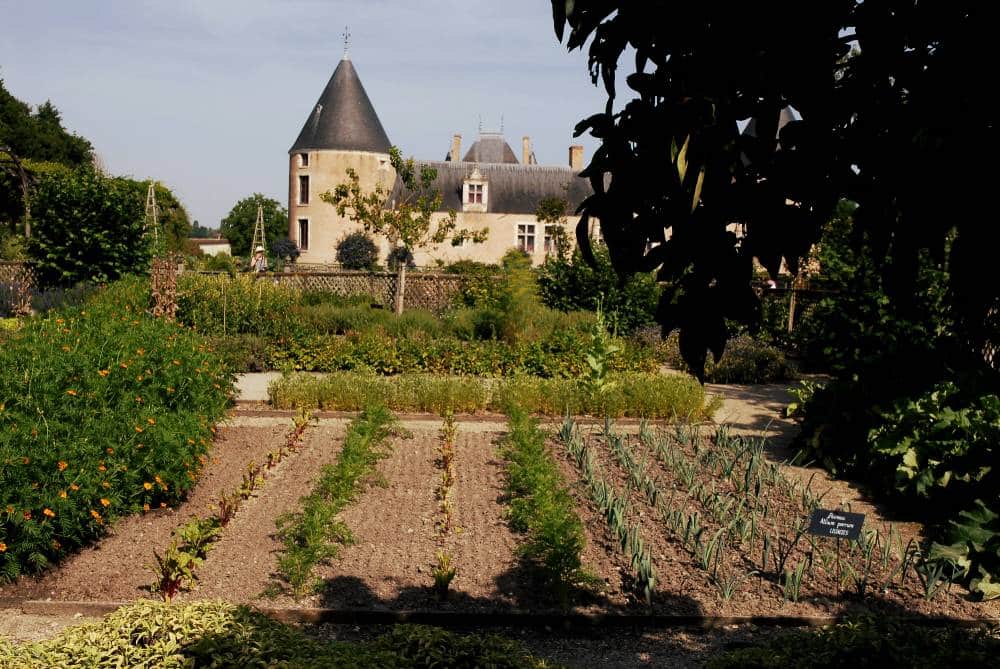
{"x": 472, "y": 620}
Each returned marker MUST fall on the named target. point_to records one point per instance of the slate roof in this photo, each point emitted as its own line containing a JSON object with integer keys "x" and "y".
{"x": 343, "y": 119}
{"x": 513, "y": 188}
{"x": 490, "y": 148}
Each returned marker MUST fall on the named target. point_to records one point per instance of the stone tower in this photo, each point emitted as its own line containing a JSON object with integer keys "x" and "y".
{"x": 343, "y": 131}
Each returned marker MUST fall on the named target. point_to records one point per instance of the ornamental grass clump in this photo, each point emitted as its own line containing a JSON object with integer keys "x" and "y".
{"x": 104, "y": 412}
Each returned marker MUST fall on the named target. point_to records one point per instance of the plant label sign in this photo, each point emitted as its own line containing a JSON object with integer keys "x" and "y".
{"x": 836, "y": 524}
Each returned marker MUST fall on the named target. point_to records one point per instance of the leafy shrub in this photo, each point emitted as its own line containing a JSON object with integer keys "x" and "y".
{"x": 219, "y": 262}
{"x": 480, "y": 287}
{"x": 541, "y": 506}
{"x": 746, "y": 360}
{"x": 219, "y": 634}
{"x": 972, "y": 547}
{"x": 105, "y": 412}
{"x": 357, "y": 251}
{"x": 570, "y": 284}
{"x": 86, "y": 228}
{"x": 398, "y": 255}
{"x": 285, "y": 249}
{"x": 217, "y": 305}
{"x": 640, "y": 395}
{"x": 867, "y": 642}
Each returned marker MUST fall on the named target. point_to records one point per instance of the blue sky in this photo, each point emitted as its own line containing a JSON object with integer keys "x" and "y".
{"x": 208, "y": 95}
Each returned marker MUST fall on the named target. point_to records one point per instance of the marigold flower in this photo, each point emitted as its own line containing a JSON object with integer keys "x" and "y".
{"x": 74, "y": 487}
{"x": 138, "y": 399}
{"x": 147, "y": 485}
{"x": 141, "y": 351}
{"x": 191, "y": 441}
{"x": 158, "y": 479}
{"x": 177, "y": 362}
{"x": 27, "y": 515}
{"x": 145, "y": 507}
{"x": 105, "y": 501}
{"x": 151, "y": 421}
{"x": 3, "y": 547}
{"x": 102, "y": 468}
{"x": 103, "y": 372}
{"x": 139, "y": 377}
{"x": 63, "y": 465}
{"x": 62, "y": 494}
{"x": 169, "y": 389}
{"x": 97, "y": 517}
{"x": 105, "y": 484}
{"x": 123, "y": 365}
{"x": 10, "y": 509}
{"x": 48, "y": 512}
{"x": 71, "y": 392}
{"x": 138, "y": 428}
{"x": 65, "y": 349}
{"x": 25, "y": 460}
{"x": 111, "y": 451}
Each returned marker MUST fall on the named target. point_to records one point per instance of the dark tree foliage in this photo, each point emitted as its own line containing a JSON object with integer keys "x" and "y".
{"x": 88, "y": 228}
{"x": 238, "y": 224}
{"x": 400, "y": 256}
{"x": 39, "y": 135}
{"x": 285, "y": 248}
{"x": 894, "y": 114}
{"x": 357, "y": 251}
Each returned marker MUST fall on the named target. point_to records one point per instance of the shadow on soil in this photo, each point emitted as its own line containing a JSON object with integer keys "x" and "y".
{"x": 522, "y": 592}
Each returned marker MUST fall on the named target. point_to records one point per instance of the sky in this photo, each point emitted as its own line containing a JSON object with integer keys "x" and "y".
{"x": 207, "y": 96}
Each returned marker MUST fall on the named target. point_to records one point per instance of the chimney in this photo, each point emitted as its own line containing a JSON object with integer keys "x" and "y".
{"x": 576, "y": 157}
{"x": 456, "y": 148}
{"x": 525, "y": 150}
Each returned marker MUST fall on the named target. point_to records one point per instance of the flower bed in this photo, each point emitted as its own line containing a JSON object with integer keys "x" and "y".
{"x": 104, "y": 411}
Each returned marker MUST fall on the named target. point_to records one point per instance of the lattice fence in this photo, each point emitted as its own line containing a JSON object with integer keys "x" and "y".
{"x": 16, "y": 285}
{"x": 424, "y": 290}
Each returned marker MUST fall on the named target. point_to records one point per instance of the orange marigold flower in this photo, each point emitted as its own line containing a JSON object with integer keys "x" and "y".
{"x": 49, "y": 512}
{"x": 10, "y": 509}
{"x": 106, "y": 484}
{"x": 169, "y": 389}
{"x": 139, "y": 377}
{"x": 147, "y": 485}
{"x": 158, "y": 479}
{"x": 105, "y": 501}
{"x": 74, "y": 487}
{"x": 138, "y": 399}
{"x": 25, "y": 460}
{"x": 27, "y": 515}
{"x": 123, "y": 365}
{"x": 111, "y": 451}
{"x": 177, "y": 362}
{"x": 103, "y": 372}
{"x": 71, "y": 392}
{"x": 60, "y": 321}
{"x": 102, "y": 468}
{"x": 3, "y": 547}
{"x": 62, "y": 465}
{"x": 65, "y": 349}
{"x": 62, "y": 494}
{"x": 151, "y": 421}
{"x": 141, "y": 351}
{"x": 138, "y": 428}
{"x": 97, "y": 517}
{"x": 145, "y": 507}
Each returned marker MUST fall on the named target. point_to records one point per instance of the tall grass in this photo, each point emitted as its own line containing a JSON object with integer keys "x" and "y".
{"x": 630, "y": 395}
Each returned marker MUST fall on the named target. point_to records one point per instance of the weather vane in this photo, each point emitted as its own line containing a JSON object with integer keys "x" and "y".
{"x": 347, "y": 40}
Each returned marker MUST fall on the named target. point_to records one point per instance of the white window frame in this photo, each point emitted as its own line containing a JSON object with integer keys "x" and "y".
{"x": 524, "y": 233}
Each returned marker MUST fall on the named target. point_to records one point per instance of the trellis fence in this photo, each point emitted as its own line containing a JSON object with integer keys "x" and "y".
{"x": 434, "y": 291}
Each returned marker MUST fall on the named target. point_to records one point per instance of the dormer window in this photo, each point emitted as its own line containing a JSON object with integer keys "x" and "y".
{"x": 475, "y": 193}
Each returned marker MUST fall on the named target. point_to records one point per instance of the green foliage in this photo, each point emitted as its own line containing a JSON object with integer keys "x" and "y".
{"x": 571, "y": 284}
{"x": 39, "y": 134}
{"x": 541, "y": 506}
{"x": 313, "y": 535}
{"x": 87, "y": 228}
{"x": 220, "y": 305}
{"x": 639, "y": 395}
{"x": 357, "y": 251}
{"x": 105, "y": 412}
{"x": 972, "y": 549}
{"x": 220, "y": 634}
{"x": 746, "y": 360}
{"x": 285, "y": 249}
{"x": 867, "y": 642}
{"x": 239, "y": 223}
{"x": 175, "y": 226}
{"x": 480, "y": 286}
{"x": 174, "y": 571}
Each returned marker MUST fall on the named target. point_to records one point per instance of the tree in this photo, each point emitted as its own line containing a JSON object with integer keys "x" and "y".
{"x": 285, "y": 248}
{"x": 238, "y": 224}
{"x": 357, "y": 251}
{"x": 407, "y": 222}
{"x": 894, "y": 126}
{"x": 87, "y": 228}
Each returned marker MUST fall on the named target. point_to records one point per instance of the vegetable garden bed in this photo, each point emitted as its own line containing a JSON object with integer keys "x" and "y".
{"x": 389, "y": 565}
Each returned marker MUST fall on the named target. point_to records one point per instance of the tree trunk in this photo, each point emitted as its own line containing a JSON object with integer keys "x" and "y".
{"x": 400, "y": 287}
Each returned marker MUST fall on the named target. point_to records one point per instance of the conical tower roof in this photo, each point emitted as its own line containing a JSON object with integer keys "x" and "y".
{"x": 343, "y": 118}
